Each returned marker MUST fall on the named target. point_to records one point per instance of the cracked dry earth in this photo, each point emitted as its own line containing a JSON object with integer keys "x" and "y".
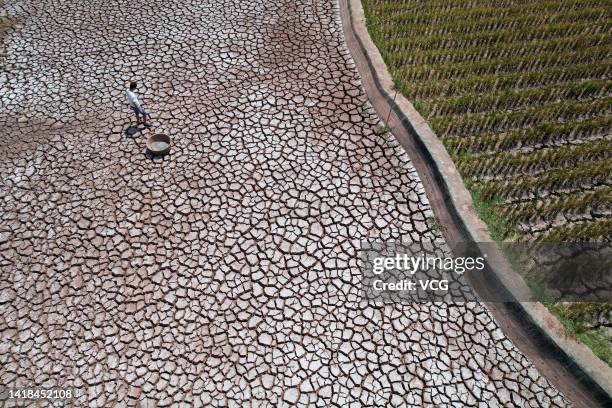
{"x": 224, "y": 274}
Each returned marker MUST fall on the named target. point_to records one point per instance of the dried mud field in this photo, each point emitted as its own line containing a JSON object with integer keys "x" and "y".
{"x": 226, "y": 273}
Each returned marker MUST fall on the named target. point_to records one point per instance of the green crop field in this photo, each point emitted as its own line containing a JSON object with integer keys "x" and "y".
{"x": 520, "y": 93}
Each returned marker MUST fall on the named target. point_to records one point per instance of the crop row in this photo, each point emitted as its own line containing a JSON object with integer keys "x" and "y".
{"x": 532, "y": 25}
{"x": 511, "y": 100}
{"x": 505, "y": 32}
{"x": 541, "y": 134}
{"x": 409, "y": 72}
{"x": 402, "y": 13}
{"x": 444, "y": 6}
{"x": 498, "y": 50}
{"x": 505, "y": 164}
{"x": 525, "y": 118}
{"x": 576, "y": 203}
{"x": 589, "y": 174}
{"x": 451, "y": 42}
{"x": 509, "y": 82}
{"x": 465, "y": 8}
{"x": 583, "y": 232}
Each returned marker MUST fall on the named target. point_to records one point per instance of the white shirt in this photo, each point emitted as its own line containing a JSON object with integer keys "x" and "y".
{"x": 132, "y": 99}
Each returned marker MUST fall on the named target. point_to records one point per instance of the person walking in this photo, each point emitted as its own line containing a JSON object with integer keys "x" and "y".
{"x": 132, "y": 100}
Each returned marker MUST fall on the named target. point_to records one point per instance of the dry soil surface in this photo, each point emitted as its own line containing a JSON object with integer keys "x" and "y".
{"x": 226, "y": 273}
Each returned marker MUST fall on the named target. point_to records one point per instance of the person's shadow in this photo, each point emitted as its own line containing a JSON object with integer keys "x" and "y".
{"x": 132, "y": 132}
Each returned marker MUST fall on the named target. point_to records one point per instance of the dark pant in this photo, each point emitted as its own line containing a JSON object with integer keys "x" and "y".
{"x": 139, "y": 111}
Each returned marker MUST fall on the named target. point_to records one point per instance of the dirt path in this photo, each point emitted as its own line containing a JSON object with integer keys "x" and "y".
{"x": 549, "y": 360}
